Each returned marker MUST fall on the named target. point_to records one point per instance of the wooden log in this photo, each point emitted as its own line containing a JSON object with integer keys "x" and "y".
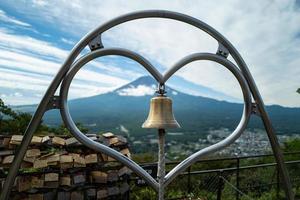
{"x": 112, "y": 175}
{"x": 66, "y": 165}
{"x": 63, "y": 195}
{"x": 36, "y": 197}
{"x": 93, "y": 138}
{"x": 108, "y": 135}
{"x": 50, "y": 195}
{"x": 91, "y": 193}
{"x": 77, "y": 195}
{"x": 51, "y": 177}
{"x": 45, "y": 139}
{"x": 6, "y": 142}
{"x": 79, "y": 178}
{"x": 37, "y": 182}
{"x": 45, "y": 156}
{"x": 11, "y": 146}
{"x": 52, "y": 163}
{"x": 74, "y": 155}
{"x": 71, "y": 141}
{"x": 126, "y": 152}
{"x": 8, "y": 159}
{"x": 6, "y": 153}
{"x": 24, "y": 183}
{"x": 65, "y": 180}
{"x": 102, "y": 193}
{"x": 16, "y": 139}
{"x": 51, "y": 184}
{"x": 124, "y": 188}
{"x": 66, "y": 161}
{"x": 124, "y": 171}
{"x": 112, "y": 140}
{"x": 91, "y": 135}
{"x": 79, "y": 161}
{"x": 121, "y": 141}
{"x": 91, "y": 158}
{"x": 53, "y": 158}
{"x": 110, "y": 159}
{"x": 103, "y": 157}
{"x": 33, "y": 153}
{"x": 112, "y": 191}
{"x": 36, "y": 140}
{"x": 26, "y": 165}
{"x": 58, "y": 141}
{"x": 40, "y": 163}
{"x": 98, "y": 177}
{"x": 29, "y": 159}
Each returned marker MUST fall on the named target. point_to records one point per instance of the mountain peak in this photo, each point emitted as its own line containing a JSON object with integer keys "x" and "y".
{"x": 144, "y": 80}
{"x": 145, "y": 85}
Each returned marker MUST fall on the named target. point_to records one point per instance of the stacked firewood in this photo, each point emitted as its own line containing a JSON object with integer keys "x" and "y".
{"x": 62, "y": 168}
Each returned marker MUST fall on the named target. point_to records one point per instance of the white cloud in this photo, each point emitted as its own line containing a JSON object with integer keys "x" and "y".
{"x": 23, "y": 62}
{"x": 140, "y": 90}
{"x": 37, "y": 84}
{"x": 28, "y": 45}
{"x": 18, "y": 94}
{"x": 4, "y": 17}
{"x": 67, "y": 41}
{"x": 30, "y": 64}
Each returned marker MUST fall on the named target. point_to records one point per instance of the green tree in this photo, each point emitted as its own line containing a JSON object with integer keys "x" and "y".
{"x": 292, "y": 145}
{"x": 12, "y": 122}
{"x": 6, "y": 111}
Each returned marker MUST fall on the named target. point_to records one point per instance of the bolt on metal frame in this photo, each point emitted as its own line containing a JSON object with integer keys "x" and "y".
{"x": 93, "y": 39}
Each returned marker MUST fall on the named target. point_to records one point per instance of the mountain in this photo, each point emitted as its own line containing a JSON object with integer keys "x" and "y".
{"x": 125, "y": 109}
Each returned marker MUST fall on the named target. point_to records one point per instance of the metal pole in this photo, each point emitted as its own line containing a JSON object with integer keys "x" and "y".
{"x": 161, "y": 163}
{"x": 287, "y": 186}
{"x": 237, "y": 177}
{"x": 277, "y": 182}
{"x": 189, "y": 180}
{"x": 220, "y": 186}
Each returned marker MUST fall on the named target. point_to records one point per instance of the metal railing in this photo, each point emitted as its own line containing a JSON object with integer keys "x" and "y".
{"x": 220, "y": 180}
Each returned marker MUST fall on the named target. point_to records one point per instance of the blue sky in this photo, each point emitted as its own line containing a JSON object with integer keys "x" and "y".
{"x": 36, "y": 37}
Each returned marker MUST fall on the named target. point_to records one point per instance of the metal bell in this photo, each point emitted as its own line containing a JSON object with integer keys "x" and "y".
{"x": 160, "y": 114}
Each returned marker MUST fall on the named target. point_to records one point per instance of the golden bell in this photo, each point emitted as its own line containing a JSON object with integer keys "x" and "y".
{"x": 161, "y": 115}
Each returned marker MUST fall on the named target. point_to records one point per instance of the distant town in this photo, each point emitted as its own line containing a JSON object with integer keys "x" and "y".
{"x": 251, "y": 142}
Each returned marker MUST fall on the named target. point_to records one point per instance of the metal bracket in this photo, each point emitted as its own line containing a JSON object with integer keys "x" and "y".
{"x": 255, "y": 109}
{"x": 222, "y": 51}
{"x": 96, "y": 43}
{"x": 54, "y": 103}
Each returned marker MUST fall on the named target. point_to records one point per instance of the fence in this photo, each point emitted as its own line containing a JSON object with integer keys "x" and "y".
{"x": 233, "y": 176}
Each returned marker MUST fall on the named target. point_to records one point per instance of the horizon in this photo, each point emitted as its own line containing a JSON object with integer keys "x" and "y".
{"x": 36, "y": 39}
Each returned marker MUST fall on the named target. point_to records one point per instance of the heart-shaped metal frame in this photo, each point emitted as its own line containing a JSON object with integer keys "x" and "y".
{"x": 161, "y": 79}
{"x": 93, "y": 40}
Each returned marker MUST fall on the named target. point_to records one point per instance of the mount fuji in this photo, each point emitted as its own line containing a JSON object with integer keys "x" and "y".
{"x": 125, "y": 109}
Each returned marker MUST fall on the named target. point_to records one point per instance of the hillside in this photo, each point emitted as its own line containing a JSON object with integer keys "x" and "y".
{"x": 127, "y": 107}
